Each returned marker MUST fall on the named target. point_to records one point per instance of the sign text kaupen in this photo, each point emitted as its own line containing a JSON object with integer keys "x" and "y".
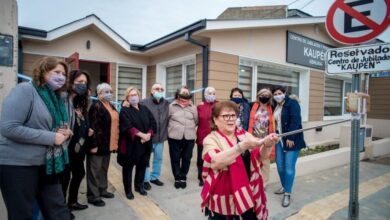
{"x": 358, "y": 59}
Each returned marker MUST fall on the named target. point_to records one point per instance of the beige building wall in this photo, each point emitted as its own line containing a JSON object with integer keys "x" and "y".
{"x": 102, "y": 47}
{"x": 267, "y": 44}
{"x": 380, "y": 98}
{"x": 379, "y": 115}
{"x": 151, "y": 78}
{"x": 182, "y": 51}
{"x": 198, "y": 77}
{"x": 223, "y": 73}
{"x": 316, "y": 95}
{"x": 113, "y": 82}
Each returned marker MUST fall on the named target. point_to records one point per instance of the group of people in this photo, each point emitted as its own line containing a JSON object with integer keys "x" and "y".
{"x": 49, "y": 127}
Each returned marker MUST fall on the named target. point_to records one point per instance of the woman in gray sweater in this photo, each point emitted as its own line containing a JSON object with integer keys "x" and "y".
{"x": 32, "y": 156}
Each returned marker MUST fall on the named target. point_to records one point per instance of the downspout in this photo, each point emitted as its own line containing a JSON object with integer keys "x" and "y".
{"x": 205, "y": 55}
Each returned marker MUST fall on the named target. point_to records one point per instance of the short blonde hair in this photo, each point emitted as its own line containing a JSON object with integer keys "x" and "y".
{"x": 131, "y": 88}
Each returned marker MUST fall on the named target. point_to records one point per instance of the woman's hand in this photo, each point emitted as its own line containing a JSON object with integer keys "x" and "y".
{"x": 66, "y": 132}
{"x": 250, "y": 142}
{"x": 94, "y": 150}
{"x": 147, "y": 137}
{"x": 125, "y": 104}
{"x": 271, "y": 140}
{"x": 90, "y": 132}
{"x": 290, "y": 144}
{"x": 59, "y": 138}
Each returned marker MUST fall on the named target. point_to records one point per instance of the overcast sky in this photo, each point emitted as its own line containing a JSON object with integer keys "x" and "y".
{"x": 142, "y": 21}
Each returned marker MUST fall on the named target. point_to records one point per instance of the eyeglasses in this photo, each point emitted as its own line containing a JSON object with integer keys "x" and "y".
{"x": 229, "y": 117}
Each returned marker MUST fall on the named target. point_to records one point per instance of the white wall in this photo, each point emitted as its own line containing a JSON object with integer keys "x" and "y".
{"x": 381, "y": 127}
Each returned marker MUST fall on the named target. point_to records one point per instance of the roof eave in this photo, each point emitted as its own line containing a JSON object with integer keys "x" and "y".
{"x": 199, "y": 25}
{"x": 259, "y": 23}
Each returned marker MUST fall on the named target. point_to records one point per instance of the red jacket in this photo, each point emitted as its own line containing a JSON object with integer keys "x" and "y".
{"x": 204, "y": 121}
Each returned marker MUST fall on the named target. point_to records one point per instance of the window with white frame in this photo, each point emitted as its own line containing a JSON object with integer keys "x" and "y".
{"x": 267, "y": 77}
{"x": 128, "y": 76}
{"x": 173, "y": 79}
{"x": 245, "y": 81}
{"x": 335, "y": 90}
{"x": 190, "y": 77}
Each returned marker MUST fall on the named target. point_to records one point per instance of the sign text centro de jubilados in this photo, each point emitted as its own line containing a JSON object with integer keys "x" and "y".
{"x": 359, "y": 59}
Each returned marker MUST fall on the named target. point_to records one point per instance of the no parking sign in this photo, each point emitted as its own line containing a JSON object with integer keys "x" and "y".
{"x": 357, "y": 21}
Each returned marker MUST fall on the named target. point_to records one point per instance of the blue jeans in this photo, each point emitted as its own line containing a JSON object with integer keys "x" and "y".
{"x": 156, "y": 165}
{"x": 285, "y": 162}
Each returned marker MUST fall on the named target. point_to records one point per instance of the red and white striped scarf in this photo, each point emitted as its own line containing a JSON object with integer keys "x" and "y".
{"x": 229, "y": 191}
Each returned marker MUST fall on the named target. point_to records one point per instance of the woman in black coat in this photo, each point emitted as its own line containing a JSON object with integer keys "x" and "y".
{"x": 137, "y": 126}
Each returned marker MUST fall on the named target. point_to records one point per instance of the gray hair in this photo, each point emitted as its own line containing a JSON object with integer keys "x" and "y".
{"x": 209, "y": 89}
{"x": 102, "y": 87}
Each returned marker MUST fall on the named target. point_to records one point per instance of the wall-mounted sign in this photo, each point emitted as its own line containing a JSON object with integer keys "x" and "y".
{"x": 380, "y": 75}
{"x": 6, "y": 50}
{"x": 358, "y": 59}
{"x": 305, "y": 51}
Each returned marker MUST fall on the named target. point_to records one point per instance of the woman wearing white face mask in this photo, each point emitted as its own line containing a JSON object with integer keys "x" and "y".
{"x": 137, "y": 126}
{"x": 32, "y": 155}
{"x": 204, "y": 125}
{"x": 287, "y": 114}
{"x": 104, "y": 121}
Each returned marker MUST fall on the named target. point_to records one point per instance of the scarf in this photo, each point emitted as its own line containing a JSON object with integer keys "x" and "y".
{"x": 56, "y": 156}
{"x": 224, "y": 188}
{"x": 271, "y": 126}
{"x": 183, "y": 102}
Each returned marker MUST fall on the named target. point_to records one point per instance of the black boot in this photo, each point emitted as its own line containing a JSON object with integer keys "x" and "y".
{"x": 141, "y": 190}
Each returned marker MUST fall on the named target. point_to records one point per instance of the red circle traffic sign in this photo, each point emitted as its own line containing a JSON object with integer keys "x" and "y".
{"x": 376, "y": 28}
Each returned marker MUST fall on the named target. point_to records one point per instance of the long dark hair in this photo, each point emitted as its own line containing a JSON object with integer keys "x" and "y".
{"x": 79, "y": 101}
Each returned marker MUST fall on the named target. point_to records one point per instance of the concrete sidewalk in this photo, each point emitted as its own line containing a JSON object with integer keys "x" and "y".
{"x": 309, "y": 191}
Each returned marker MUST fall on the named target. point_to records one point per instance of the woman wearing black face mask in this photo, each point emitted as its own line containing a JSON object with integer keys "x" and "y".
{"x": 77, "y": 106}
{"x": 237, "y": 96}
{"x": 262, "y": 123}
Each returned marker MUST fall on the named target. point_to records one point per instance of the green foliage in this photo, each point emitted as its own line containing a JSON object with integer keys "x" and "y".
{"x": 317, "y": 149}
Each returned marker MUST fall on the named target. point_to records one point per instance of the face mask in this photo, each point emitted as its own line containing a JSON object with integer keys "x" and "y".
{"x": 107, "y": 96}
{"x": 210, "y": 98}
{"x": 279, "y": 98}
{"x": 264, "y": 100}
{"x": 80, "y": 89}
{"x": 185, "y": 96}
{"x": 133, "y": 100}
{"x": 236, "y": 100}
{"x": 56, "y": 81}
{"x": 158, "y": 95}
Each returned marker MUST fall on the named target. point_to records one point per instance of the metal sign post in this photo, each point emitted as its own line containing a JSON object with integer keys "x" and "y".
{"x": 353, "y": 212}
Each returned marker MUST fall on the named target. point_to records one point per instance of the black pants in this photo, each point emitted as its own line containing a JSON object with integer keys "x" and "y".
{"x": 76, "y": 168}
{"x": 97, "y": 171}
{"x": 21, "y": 186}
{"x": 127, "y": 175}
{"x": 180, "y": 152}
{"x": 248, "y": 215}
{"x": 199, "y": 162}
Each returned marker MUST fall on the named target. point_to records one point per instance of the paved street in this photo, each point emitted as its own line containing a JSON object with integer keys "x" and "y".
{"x": 327, "y": 189}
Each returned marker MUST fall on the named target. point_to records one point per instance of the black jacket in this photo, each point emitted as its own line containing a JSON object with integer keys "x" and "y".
{"x": 291, "y": 121}
{"x": 100, "y": 122}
